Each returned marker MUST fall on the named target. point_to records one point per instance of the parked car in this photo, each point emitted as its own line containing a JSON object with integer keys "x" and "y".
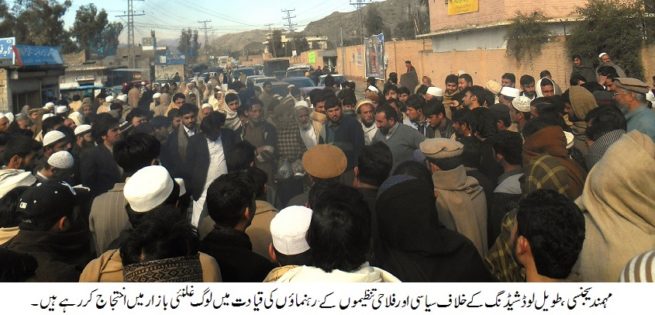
{"x": 338, "y": 78}
{"x": 297, "y": 71}
{"x": 300, "y": 82}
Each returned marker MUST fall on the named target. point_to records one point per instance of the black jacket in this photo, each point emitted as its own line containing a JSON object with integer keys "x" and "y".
{"x": 347, "y": 135}
{"x": 170, "y": 153}
{"x": 60, "y": 256}
{"x": 98, "y": 170}
{"x": 233, "y": 253}
{"x": 197, "y": 162}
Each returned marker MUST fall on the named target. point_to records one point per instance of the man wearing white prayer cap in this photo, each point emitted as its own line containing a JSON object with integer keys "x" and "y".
{"x": 507, "y": 95}
{"x": 289, "y": 248}
{"x": 55, "y": 141}
{"x": 58, "y": 166}
{"x": 433, "y": 92}
{"x": 5, "y": 121}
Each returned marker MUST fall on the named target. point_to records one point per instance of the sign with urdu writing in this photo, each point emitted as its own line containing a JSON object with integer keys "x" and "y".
{"x": 456, "y": 7}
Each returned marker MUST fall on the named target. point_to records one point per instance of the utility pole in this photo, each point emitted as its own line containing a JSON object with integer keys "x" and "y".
{"x": 206, "y": 29}
{"x": 359, "y": 4}
{"x": 130, "y": 14}
{"x": 288, "y": 17}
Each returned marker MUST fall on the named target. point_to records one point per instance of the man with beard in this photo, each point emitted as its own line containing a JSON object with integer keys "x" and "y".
{"x": 343, "y": 132}
{"x": 631, "y": 97}
{"x": 309, "y": 129}
{"x": 606, "y": 61}
{"x": 390, "y": 92}
{"x": 528, "y": 87}
{"x": 401, "y": 139}
{"x": 366, "y": 113}
{"x": 262, "y": 135}
{"x": 464, "y": 81}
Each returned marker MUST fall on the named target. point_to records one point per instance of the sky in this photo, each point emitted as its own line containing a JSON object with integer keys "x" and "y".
{"x": 168, "y": 17}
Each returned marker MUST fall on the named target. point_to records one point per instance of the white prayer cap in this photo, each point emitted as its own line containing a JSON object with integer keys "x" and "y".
{"x": 122, "y": 98}
{"x": 435, "y": 91}
{"x": 46, "y": 116}
{"x": 301, "y": 104}
{"x": 522, "y": 104}
{"x": 49, "y": 105}
{"x": 109, "y": 99}
{"x": 510, "y": 92}
{"x": 372, "y": 89}
{"x": 81, "y": 129}
{"x": 569, "y": 139}
{"x": 52, "y": 136}
{"x": 148, "y": 188}
{"x": 602, "y": 54}
{"x": 156, "y": 96}
{"x": 61, "y": 160}
{"x": 206, "y": 105}
{"x": 288, "y": 229}
{"x": 9, "y": 116}
{"x": 61, "y": 109}
{"x": 76, "y": 117}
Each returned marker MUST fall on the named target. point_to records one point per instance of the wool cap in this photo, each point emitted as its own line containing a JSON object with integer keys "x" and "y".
{"x": 522, "y": 104}
{"x": 288, "y": 230}
{"x": 493, "y": 86}
{"x": 441, "y": 148}
{"x": 363, "y": 102}
{"x": 324, "y": 161}
{"x": 632, "y": 85}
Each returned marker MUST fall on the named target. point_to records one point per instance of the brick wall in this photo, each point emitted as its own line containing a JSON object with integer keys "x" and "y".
{"x": 483, "y": 65}
{"x": 494, "y": 11}
{"x": 5, "y": 91}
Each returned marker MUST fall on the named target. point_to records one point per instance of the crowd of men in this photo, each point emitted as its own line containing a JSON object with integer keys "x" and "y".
{"x": 504, "y": 181}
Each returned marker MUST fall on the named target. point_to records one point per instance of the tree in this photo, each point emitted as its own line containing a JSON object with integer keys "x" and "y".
{"x": 188, "y": 44}
{"x": 299, "y": 43}
{"x": 525, "y": 35}
{"x": 195, "y": 45}
{"x": 610, "y": 26}
{"x": 373, "y": 21}
{"x": 40, "y": 22}
{"x": 405, "y": 30}
{"x": 7, "y": 24}
{"x": 275, "y": 44}
{"x": 184, "y": 45}
{"x": 93, "y": 32}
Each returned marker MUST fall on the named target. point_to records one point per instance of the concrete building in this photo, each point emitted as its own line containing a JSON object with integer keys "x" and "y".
{"x": 464, "y": 25}
{"x": 29, "y": 75}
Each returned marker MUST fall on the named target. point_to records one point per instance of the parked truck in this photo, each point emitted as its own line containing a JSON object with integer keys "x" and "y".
{"x": 276, "y": 67}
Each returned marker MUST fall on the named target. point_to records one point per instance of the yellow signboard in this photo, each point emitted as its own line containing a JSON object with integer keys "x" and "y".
{"x": 311, "y": 57}
{"x": 456, "y": 7}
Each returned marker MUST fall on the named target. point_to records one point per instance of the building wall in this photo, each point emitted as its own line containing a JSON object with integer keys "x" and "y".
{"x": 494, "y": 11}
{"x": 481, "y": 64}
{"x": 5, "y": 91}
